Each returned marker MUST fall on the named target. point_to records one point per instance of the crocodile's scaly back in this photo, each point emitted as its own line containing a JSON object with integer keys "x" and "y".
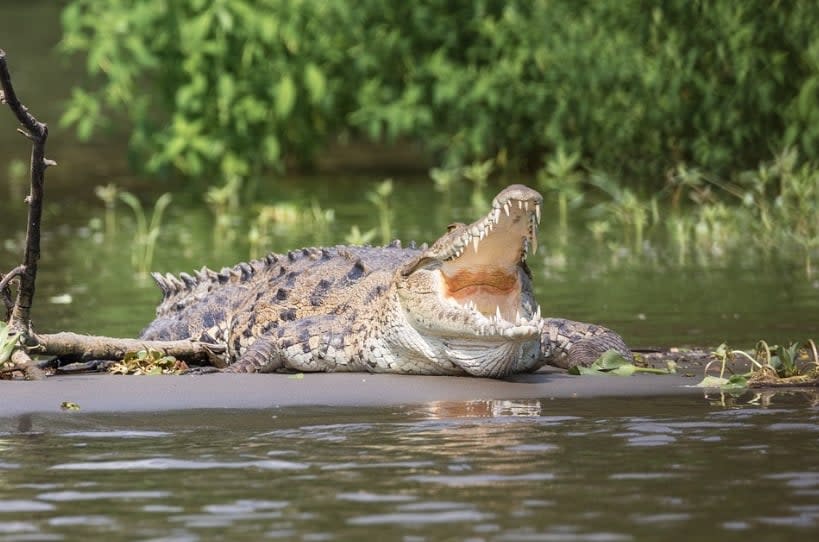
{"x": 465, "y": 305}
{"x": 282, "y": 295}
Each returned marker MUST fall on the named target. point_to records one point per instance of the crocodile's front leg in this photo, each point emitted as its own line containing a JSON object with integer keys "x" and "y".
{"x": 312, "y": 344}
{"x": 564, "y": 343}
{"x": 263, "y": 356}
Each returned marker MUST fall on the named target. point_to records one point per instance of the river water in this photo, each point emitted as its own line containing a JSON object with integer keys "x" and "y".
{"x": 672, "y": 468}
{"x": 663, "y": 468}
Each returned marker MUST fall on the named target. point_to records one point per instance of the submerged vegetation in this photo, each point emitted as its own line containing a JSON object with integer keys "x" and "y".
{"x": 146, "y": 230}
{"x": 762, "y": 215}
{"x": 771, "y": 365}
{"x": 771, "y": 212}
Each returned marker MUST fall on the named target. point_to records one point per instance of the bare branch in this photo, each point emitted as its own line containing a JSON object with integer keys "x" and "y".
{"x": 16, "y": 272}
{"x": 21, "y": 361}
{"x": 37, "y": 132}
{"x": 5, "y": 293}
{"x": 89, "y": 347}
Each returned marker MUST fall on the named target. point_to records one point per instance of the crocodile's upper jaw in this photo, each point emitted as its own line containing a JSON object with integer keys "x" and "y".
{"x": 471, "y": 288}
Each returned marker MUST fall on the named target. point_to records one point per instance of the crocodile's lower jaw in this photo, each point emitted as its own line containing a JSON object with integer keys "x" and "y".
{"x": 492, "y": 359}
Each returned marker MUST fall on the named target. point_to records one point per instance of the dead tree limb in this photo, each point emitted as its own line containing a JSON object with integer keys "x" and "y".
{"x": 89, "y": 347}
{"x": 37, "y": 133}
{"x": 5, "y": 291}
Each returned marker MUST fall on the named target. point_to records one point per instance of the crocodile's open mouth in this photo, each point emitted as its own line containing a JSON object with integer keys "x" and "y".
{"x": 482, "y": 271}
{"x": 473, "y": 282}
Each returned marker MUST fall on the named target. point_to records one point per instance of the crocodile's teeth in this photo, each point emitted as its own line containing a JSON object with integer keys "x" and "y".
{"x": 482, "y": 235}
{"x": 526, "y": 206}
{"x": 537, "y": 212}
{"x": 537, "y": 313}
{"x": 507, "y": 208}
{"x": 534, "y": 241}
{"x": 520, "y": 204}
{"x": 518, "y": 319}
{"x": 498, "y": 315}
{"x": 475, "y": 242}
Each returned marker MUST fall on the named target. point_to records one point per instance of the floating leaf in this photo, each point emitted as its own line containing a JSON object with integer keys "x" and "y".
{"x": 734, "y": 383}
{"x": 613, "y": 363}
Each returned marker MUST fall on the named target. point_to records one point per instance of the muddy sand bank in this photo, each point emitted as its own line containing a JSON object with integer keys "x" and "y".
{"x": 109, "y": 393}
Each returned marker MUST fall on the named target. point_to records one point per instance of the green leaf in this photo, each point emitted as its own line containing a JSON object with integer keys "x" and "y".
{"x": 285, "y": 96}
{"x": 734, "y": 383}
{"x": 613, "y": 363}
{"x": 314, "y": 82}
{"x": 7, "y": 344}
{"x": 272, "y": 151}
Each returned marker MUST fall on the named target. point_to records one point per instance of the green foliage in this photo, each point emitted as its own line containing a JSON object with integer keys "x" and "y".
{"x": 772, "y": 365}
{"x": 380, "y": 198}
{"x": 8, "y": 343}
{"x": 285, "y": 219}
{"x": 612, "y": 363}
{"x": 560, "y": 176}
{"x": 633, "y": 87}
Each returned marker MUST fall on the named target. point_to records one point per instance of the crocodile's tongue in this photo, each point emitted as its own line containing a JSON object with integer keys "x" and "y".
{"x": 490, "y": 289}
{"x": 486, "y": 274}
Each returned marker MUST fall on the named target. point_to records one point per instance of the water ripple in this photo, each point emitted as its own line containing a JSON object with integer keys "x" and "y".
{"x": 70, "y": 496}
{"x": 15, "y": 506}
{"x": 367, "y": 497}
{"x": 161, "y": 463}
{"x": 116, "y": 434}
{"x": 425, "y": 518}
{"x": 481, "y": 479}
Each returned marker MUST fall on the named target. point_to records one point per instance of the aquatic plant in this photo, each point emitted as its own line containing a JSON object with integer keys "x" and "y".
{"x": 771, "y": 365}
{"x": 357, "y": 237}
{"x": 380, "y": 198}
{"x": 288, "y": 219}
{"x": 478, "y": 173}
{"x": 147, "y": 230}
{"x": 560, "y": 176}
{"x": 224, "y": 202}
{"x": 624, "y": 207}
{"x": 444, "y": 179}
{"x": 109, "y": 194}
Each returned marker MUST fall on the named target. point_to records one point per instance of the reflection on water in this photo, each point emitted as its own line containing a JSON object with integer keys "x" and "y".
{"x": 611, "y": 469}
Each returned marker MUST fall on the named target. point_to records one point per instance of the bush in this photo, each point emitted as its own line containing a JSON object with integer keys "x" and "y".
{"x": 634, "y": 87}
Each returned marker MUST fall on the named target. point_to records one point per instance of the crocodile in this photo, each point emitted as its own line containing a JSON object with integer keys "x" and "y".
{"x": 462, "y": 306}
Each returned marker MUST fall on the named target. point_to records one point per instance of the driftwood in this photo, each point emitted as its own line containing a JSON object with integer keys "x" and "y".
{"x": 18, "y": 312}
